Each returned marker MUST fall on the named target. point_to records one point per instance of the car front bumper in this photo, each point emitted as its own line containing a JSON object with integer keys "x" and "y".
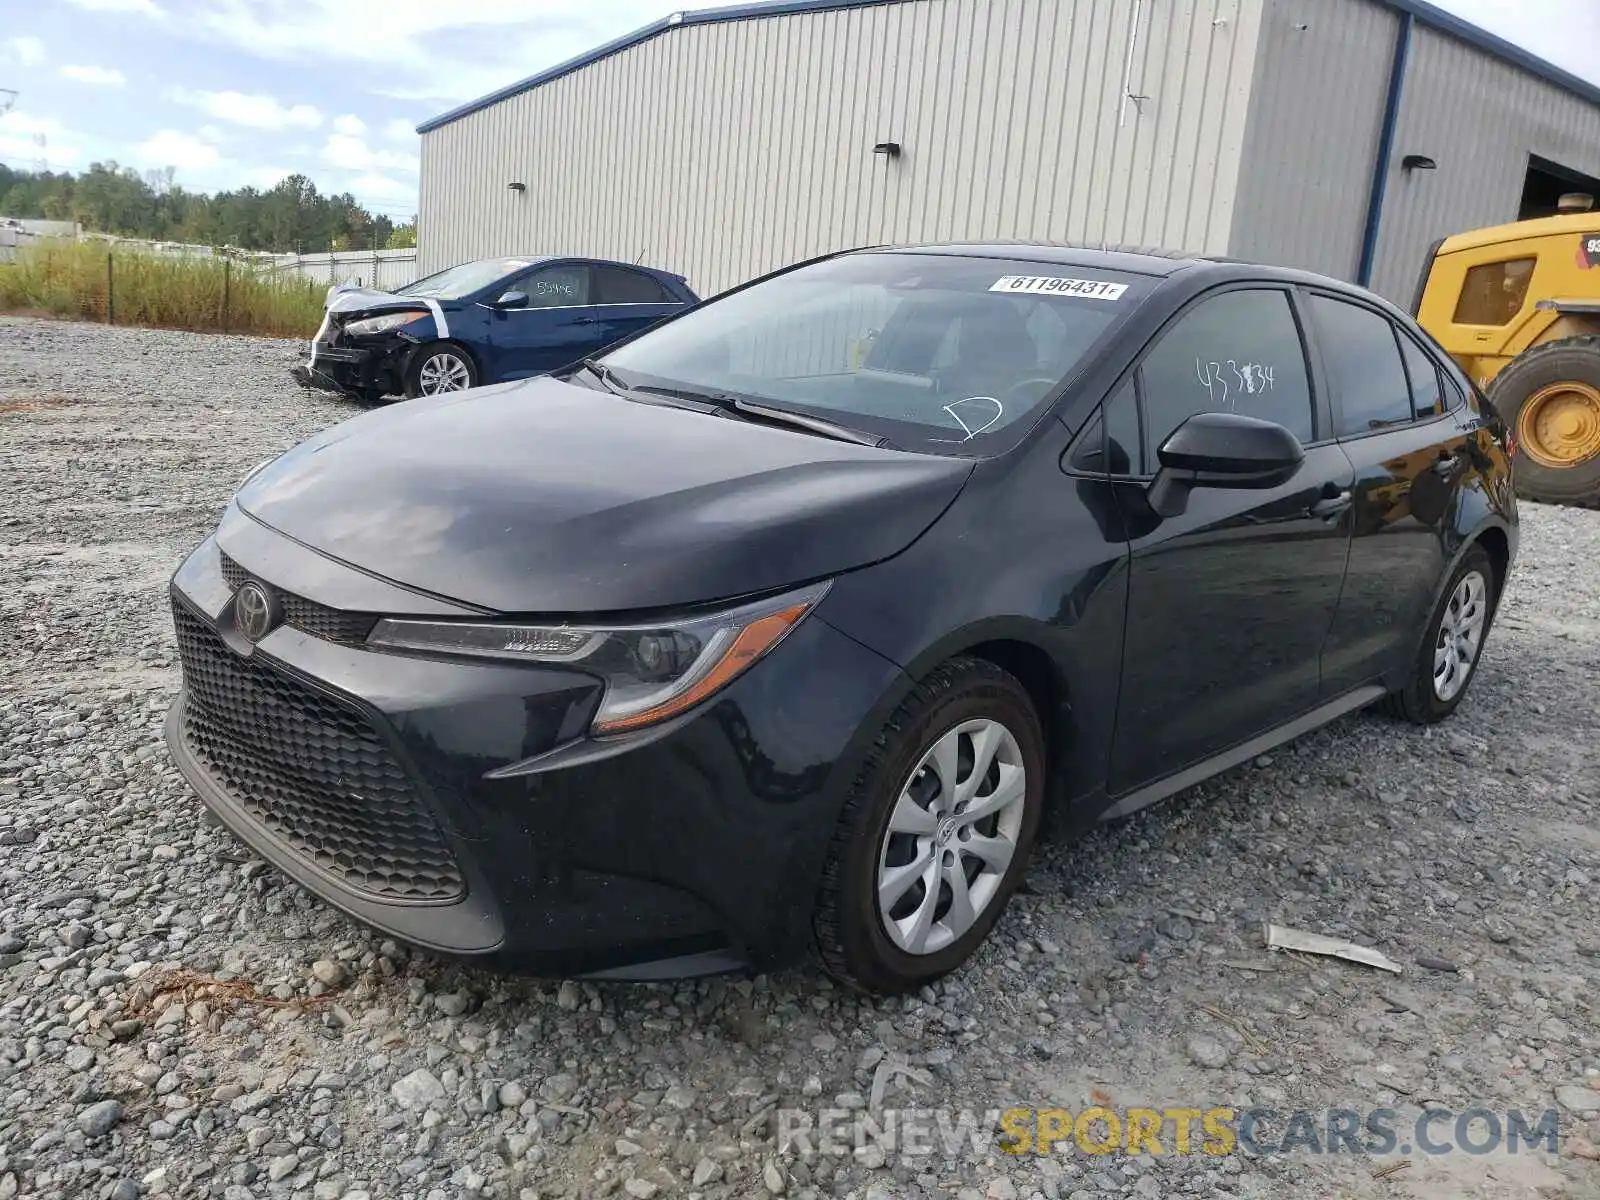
{"x": 460, "y": 807}
{"x": 362, "y": 371}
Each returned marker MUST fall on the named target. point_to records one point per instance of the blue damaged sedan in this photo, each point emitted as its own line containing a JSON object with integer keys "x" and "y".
{"x": 481, "y": 322}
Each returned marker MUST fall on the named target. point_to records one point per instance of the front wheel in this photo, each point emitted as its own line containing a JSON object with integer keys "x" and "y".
{"x": 936, "y": 832}
{"x": 1549, "y": 396}
{"x": 436, "y": 370}
{"x": 1453, "y": 644}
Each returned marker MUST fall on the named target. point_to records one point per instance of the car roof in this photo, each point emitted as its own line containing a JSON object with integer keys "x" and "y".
{"x": 1137, "y": 260}
{"x": 534, "y": 260}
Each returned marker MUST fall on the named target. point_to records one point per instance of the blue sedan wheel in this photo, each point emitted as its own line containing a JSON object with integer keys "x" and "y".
{"x": 443, "y": 369}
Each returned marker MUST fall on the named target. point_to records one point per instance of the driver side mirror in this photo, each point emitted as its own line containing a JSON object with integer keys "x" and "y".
{"x": 512, "y": 300}
{"x": 1222, "y": 450}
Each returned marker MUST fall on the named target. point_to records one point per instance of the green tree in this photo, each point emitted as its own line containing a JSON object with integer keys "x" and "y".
{"x": 291, "y": 215}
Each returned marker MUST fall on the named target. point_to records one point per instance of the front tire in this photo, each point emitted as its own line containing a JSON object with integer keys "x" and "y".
{"x": 936, "y": 832}
{"x": 440, "y": 369}
{"x": 1550, "y": 398}
{"x": 1450, "y": 652}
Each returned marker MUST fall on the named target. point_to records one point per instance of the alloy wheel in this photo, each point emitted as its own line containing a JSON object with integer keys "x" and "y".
{"x": 444, "y": 372}
{"x": 951, "y": 837}
{"x": 1461, "y": 629}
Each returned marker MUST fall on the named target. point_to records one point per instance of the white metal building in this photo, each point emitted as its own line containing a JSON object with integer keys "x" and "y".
{"x": 1341, "y": 135}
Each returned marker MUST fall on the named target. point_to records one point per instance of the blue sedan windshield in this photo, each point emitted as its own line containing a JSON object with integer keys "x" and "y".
{"x": 456, "y": 282}
{"x": 938, "y": 352}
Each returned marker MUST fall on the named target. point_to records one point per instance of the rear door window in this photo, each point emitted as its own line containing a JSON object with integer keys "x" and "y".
{"x": 1236, "y": 352}
{"x": 618, "y": 285}
{"x": 1362, "y": 355}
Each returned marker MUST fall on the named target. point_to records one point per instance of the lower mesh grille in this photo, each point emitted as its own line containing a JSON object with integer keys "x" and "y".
{"x": 330, "y": 624}
{"x": 312, "y": 770}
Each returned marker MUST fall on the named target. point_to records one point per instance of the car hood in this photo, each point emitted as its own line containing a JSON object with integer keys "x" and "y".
{"x": 344, "y": 301}
{"x": 546, "y": 497}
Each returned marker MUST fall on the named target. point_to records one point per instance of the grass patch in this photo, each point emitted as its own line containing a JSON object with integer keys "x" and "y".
{"x": 88, "y": 282}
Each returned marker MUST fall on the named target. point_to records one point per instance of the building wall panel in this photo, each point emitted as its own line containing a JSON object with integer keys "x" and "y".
{"x": 1321, "y": 81}
{"x": 724, "y": 150}
{"x": 1479, "y": 118}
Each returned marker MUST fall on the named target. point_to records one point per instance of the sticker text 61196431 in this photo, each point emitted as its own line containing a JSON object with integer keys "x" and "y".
{"x": 1055, "y": 285}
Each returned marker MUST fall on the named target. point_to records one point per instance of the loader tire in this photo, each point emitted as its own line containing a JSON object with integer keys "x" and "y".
{"x": 1541, "y": 473}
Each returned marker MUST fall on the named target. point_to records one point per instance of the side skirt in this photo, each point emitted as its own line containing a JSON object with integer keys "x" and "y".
{"x": 1151, "y": 793}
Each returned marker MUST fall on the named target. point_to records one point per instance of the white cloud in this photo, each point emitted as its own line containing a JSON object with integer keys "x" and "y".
{"x": 350, "y": 124}
{"x": 400, "y": 130}
{"x": 98, "y": 76}
{"x": 439, "y": 53}
{"x": 169, "y": 148}
{"x": 375, "y": 187}
{"x": 147, "y": 8}
{"x": 353, "y": 154}
{"x": 20, "y": 134}
{"x": 257, "y": 110}
{"x": 24, "y": 51}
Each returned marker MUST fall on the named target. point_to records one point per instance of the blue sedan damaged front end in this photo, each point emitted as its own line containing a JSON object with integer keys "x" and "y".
{"x": 365, "y": 344}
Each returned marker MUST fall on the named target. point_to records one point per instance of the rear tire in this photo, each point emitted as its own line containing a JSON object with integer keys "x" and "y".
{"x": 439, "y": 369}
{"x": 928, "y": 850}
{"x": 1531, "y": 377}
{"x": 1451, "y": 649}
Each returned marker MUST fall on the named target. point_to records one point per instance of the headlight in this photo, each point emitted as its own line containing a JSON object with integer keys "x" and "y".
{"x": 382, "y": 324}
{"x": 651, "y": 672}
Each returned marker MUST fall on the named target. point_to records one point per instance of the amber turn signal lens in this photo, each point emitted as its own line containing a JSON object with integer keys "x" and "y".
{"x": 754, "y": 640}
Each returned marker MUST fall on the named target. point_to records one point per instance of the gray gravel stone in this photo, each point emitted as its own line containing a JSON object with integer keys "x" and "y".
{"x": 1579, "y": 1099}
{"x": 1206, "y": 1051}
{"x": 418, "y": 1089}
{"x": 99, "y": 1119}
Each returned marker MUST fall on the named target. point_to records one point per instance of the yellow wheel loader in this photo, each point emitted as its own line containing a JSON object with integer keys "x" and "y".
{"x": 1518, "y": 307}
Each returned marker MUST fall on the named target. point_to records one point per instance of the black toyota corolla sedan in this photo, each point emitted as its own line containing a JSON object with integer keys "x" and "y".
{"x": 781, "y": 625}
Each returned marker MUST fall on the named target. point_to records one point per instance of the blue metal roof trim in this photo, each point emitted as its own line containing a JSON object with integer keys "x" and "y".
{"x": 1449, "y": 23}
{"x": 702, "y": 16}
{"x": 1427, "y": 13}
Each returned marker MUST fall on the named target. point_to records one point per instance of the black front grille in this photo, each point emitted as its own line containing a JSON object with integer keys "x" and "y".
{"x": 310, "y": 769}
{"x": 330, "y": 624}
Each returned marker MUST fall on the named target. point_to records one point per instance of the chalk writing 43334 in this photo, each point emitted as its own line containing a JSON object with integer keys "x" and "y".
{"x": 1226, "y": 381}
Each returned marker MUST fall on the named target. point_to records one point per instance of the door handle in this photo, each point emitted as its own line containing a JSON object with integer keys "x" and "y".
{"x": 1331, "y": 506}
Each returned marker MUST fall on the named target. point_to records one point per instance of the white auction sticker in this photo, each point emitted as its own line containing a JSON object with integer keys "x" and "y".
{"x": 1055, "y": 285}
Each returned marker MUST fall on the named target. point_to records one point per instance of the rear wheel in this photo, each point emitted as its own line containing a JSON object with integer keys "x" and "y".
{"x": 436, "y": 370}
{"x": 1450, "y": 651}
{"x": 936, "y": 833}
{"x": 1550, "y": 398}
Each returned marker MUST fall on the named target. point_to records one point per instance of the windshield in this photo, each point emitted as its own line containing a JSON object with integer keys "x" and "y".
{"x": 937, "y": 352}
{"x": 455, "y": 282}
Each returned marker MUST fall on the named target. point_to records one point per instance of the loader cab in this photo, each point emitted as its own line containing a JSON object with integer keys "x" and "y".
{"x": 1488, "y": 295}
{"x": 1517, "y": 307}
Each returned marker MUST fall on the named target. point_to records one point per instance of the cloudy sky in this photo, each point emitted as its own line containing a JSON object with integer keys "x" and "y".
{"x": 233, "y": 92}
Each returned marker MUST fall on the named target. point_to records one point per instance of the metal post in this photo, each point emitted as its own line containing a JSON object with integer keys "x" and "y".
{"x": 227, "y": 279}
{"x": 111, "y": 306}
{"x": 1380, "y": 169}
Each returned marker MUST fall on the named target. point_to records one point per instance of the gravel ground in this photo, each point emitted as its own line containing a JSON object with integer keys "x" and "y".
{"x": 176, "y": 1019}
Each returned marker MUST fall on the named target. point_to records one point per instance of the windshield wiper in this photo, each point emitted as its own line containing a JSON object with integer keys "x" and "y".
{"x": 749, "y": 409}
{"x": 608, "y": 378}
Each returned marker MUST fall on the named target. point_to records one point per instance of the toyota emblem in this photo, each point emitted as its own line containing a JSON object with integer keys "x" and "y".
{"x": 255, "y": 611}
